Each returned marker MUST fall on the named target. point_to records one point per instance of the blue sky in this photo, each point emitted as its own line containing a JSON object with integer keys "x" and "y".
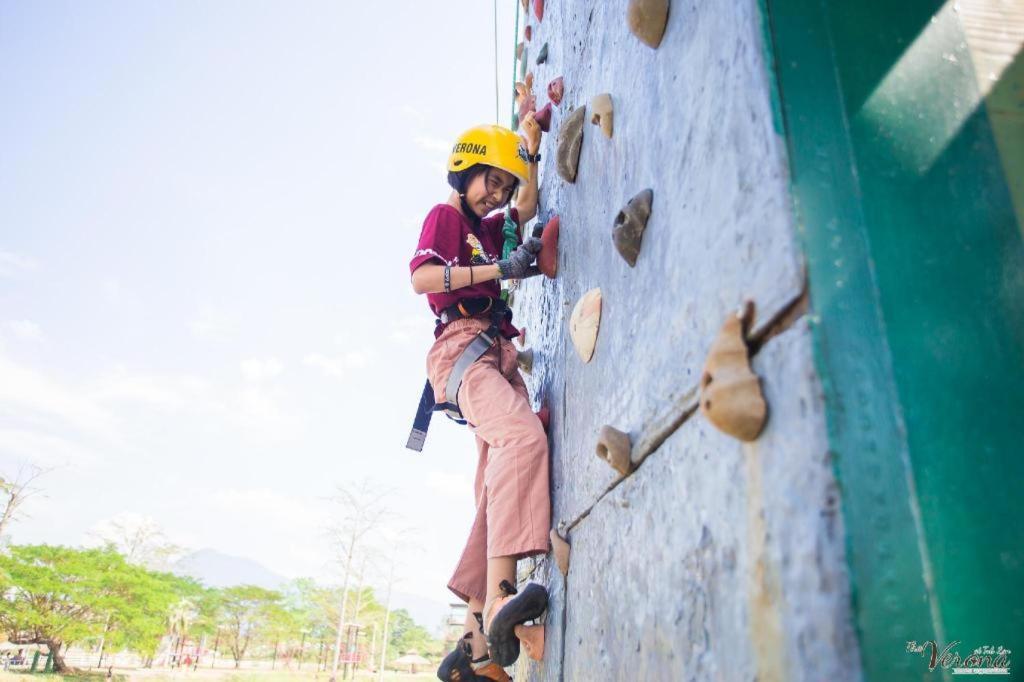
{"x": 206, "y": 214}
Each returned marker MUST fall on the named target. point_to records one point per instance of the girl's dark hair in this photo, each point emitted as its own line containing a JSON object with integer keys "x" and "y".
{"x": 459, "y": 180}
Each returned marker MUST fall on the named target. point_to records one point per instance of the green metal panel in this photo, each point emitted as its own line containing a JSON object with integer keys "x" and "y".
{"x": 916, "y": 270}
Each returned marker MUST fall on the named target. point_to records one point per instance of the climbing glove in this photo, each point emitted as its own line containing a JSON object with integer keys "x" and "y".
{"x": 517, "y": 265}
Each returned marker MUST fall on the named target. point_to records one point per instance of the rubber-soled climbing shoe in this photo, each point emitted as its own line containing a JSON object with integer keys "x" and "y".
{"x": 457, "y": 666}
{"x": 507, "y": 613}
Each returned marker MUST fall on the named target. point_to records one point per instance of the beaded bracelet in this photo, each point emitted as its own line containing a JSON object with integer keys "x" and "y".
{"x": 447, "y": 279}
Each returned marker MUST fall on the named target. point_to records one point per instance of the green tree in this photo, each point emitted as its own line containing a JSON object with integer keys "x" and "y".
{"x": 55, "y": 595}
{"x": 406, "y": 635}
{"x": 246, "y": 612}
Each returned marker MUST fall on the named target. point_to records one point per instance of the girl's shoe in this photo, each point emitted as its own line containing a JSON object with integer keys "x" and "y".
{"x": 510, "y": 610}
{"x": 458, "y": 666}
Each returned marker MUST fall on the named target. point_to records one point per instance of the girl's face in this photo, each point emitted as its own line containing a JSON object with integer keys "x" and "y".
{"x": 489, "y": 190}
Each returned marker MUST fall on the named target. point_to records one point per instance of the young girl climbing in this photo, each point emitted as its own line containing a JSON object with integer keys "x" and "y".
{"x": 472, "y": 369}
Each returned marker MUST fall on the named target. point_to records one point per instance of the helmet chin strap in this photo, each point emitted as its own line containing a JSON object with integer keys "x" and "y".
{"x": 467, "y": 211}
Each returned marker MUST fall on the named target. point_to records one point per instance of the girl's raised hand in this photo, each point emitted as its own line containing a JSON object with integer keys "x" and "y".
{"x": 532, "y": 132}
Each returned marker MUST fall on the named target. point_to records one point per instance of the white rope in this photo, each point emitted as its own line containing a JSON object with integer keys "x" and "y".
{"x": 497, "y": 116}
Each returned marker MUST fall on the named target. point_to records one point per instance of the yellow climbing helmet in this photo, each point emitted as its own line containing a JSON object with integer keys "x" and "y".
{"x": 493, "y": 146}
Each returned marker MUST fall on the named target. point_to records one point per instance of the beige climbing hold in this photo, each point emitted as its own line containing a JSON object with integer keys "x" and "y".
{"x": 585, "y": 322}
{"x": 613, "y": 446}
{"x": 519, "y": 50}
{"x": 629, "y": 226}
{"x": 730, "y": 392}
{"x": 532, "y": 639}
{"x": 570, "y": 139}
{"x": 601, "y": 112}
{"x": 647, "y": 19}
{"x": 525, "y": 360}
{"x": 560, "y": 548}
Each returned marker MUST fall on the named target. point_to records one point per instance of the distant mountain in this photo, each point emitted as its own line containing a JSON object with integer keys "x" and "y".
{"x": 215, "y": 569}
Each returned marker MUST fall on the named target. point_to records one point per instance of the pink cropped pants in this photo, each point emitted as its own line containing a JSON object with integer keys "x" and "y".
{"x": 513, "y": 500}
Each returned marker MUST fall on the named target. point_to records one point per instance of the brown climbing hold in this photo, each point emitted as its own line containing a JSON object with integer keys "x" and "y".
{"x": 560, "y": 548}
{"x": 601, "y": 112}
{"x": 647, "y": 19}
{"x": 525, "y": 360}
{"x": 521, "y": 339}
{"x": 542, "y": 56}
{"x": 585, "y": 323}
{"x": 547, "y": 259}
{"x": 529, "y": 32}
{"x": 519, "y": 50}
{"x": 613, "y": 447}
{"x": 630, "y": 224}
{"x": 532, "y": 639}
{"x": 529, "y": 82}
{"x": 543, "y": 117}
{"x": 570, "y": 139}
{"x": 730, "y": 392}
{"x": 544, "y": 415}
{"x": 555, "y": 90}
{"x": 526, "y": 6}
{"x": 538, "y": 9}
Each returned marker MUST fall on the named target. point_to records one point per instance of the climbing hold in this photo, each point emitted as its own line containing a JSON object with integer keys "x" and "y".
{"x": 630, "y": 224}
{"x": 543, "y": 117}
{"x": 547, "y": 259}
{"x": 519, "y": 50}
{"x": 544, "y": 415}
{"x": 647, "y": 19}
{"x": 555, "y": 89}
{"x": 532, "y": 639}
{"x": 585, "y": 322}
{"x": 730, "y": 392}
{"x": 560, "y": 548}
{"x": 515, "y": 121}
{"x": 529, "y": 82}
{"x": 524, "y": 359}
{"x": 613, "y": 447}
{"x": 529, "y": 32}
{"x": 542, "y": 56}
{"x": 538, "y": 9}
{"x": 570, "y": 139}
{"x": 522, "y": 338}
{"x": 601, "y": 112}
{"x": 526, "y": 6}
{"x": 524, "y": 98}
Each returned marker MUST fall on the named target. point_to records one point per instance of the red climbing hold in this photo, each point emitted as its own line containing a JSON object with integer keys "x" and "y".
{"x": 555, "y": 89}
{"x": 538, "y": 9}
{"x": 547, "y": 259}
{"x": 543, "y": 117}
{"x": 544, "y": 414}
{"x": 529, "y": 32}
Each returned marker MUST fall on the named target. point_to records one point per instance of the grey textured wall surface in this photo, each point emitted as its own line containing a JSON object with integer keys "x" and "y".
{"x": 713, "y": 559}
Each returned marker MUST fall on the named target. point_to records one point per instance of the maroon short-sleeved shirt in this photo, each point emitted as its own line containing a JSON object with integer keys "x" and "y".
{"x": 448, "y": 238}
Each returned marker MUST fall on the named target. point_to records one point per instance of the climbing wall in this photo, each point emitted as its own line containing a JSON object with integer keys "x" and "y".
{"x": 704, "y": 556}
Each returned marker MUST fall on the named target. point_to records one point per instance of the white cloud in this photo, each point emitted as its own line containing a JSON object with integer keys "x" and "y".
{"x": 456, "y": 486}
{"x": 13, "y": 264}
{"x": 261, "y": 369}
{"x": 338, "y": 366}
{"x": 26, "y": 329}
{"x": 45, "y": 403}
{"x": 211, "y": 323}
{"x": 432, "y": 144}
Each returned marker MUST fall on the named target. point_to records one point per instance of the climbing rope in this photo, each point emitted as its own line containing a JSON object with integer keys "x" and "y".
{"x": 515, "y": 43}
{"x": 497, "y": 111}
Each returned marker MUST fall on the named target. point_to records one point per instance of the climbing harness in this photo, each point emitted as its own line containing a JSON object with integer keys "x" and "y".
{"x": 481, "y": 343}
